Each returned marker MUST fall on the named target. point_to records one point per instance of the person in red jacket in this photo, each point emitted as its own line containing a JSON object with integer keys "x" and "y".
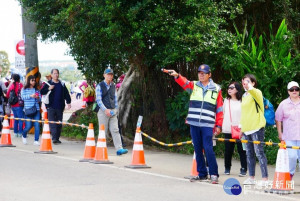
{"x": 205, "y": 117}
{"x": 18, "y": 107}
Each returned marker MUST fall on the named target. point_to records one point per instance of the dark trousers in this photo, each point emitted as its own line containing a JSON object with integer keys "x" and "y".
{"x": 55, "y": 129}
{"x": 202, "y": 139}
{"x": 229, "y": 148}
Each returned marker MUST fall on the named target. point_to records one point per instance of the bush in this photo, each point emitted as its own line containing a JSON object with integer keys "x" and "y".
{"x": 83, "y": 116}
{"x": 176, "y": 112}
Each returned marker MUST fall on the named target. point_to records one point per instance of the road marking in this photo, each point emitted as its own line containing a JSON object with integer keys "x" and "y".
{"x": 153, "y": 174}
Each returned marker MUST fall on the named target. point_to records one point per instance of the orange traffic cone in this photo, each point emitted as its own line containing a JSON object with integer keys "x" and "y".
{"x": 194, "y": 172}
{"x": 138, "y": 158}
{"x": 90, "y": 145}
{"x": 101, "y": 156}
{"x": 11, "y": 122}
{"x": 83, "y": 105}
{"x": 282, "y": 183}
{"x": 5, "y": 136}
{"x": 46, "y": 144}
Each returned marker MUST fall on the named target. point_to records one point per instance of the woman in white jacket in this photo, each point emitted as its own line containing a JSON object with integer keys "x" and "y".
{"x": 232, "y": 107}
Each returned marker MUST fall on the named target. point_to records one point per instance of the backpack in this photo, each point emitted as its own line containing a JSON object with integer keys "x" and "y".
{"x": 89, "y": 91}
{"x": 269, "y": 111}
{"x": 20, "y": 100}
{"x": 13, "y": 99}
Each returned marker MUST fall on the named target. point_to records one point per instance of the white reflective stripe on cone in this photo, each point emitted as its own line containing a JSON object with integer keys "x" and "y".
{"x": 46, "y": 136}
{"x": 101, "y": 144}
{"x": 5, "y": 131}
{"x": 138, "y": 147}
{"x": 101, "y": 134}
{"x": 90, "y": 133}
{"x": 138, "y": 137}
{"x": 90, "y": 143}
{"x": 282, "y": 161}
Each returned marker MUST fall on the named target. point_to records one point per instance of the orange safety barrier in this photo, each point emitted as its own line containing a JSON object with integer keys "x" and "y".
{"x": 138, "y": 158}
{"x": 5, "y": 136}
{"x": 101, "y": 156}
{"x": 90, "y": 145}
{"x": 46, "y": 143}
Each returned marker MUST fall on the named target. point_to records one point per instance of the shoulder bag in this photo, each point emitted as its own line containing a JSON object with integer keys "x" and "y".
{"x": 235, "y": 130}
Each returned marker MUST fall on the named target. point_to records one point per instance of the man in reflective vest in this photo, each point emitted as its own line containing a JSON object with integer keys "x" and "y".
{"x": 205, "y": 117}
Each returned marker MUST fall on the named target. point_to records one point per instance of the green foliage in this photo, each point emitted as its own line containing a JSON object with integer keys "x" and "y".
{"x": 85, "y": 117}
{"x": 272, "y": 59}
{"x": 176, "y": 111}
{"x": 4, "y": 62}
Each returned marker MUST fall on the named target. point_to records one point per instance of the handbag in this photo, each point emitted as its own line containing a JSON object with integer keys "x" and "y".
{"x": 30, "y": 112}
{"x": 45, "y": 98}
{"x": 235, "y": 130}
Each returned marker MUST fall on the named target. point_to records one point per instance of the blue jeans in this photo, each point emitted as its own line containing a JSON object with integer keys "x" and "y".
{"x": 294, "y": 154}
{"x": 202, "y": 139}
{"x": 258, "y": 149}
{"x": 29, "y": 124}
{"x": 18, "y": 125}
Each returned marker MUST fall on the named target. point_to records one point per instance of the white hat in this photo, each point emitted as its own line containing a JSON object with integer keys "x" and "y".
{"x": 292, "y": 84}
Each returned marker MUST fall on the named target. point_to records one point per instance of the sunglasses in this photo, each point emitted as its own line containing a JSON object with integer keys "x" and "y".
{"x": 231, "y": 88}
{"x": 294, "y": 89}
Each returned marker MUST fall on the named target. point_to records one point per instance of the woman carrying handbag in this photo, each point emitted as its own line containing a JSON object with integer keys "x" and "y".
{"x": 31, "y": 96}
{"x": 231, "y": 121}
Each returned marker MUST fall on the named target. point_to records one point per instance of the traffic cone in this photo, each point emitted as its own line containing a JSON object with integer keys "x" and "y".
{"x": 83, "y": 105}
{"x": 11, "y": 122}
{"x": 194, "y": 172}
{"x": 5, "y": 136}
{"x": 138, "y": 158}
{"x": 101, "y": 156}
{"x": 282, "y": 183}
{"x": 90, "y": 145}
{"x": 46, "y": 144}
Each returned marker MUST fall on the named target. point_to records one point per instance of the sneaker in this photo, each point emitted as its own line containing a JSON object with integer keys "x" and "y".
{"x": 214, "y": 179}
{"x": 198, "y": 178}
{"x": 243, "y": 172}
{"x": 227, "y": 171}
{"x": 36, "y": 143}
{"x": 24, "y": 140}
{"x": 249, "y": 181}
{"x": 122, "y": 151}
{"x": 56, "y": 141}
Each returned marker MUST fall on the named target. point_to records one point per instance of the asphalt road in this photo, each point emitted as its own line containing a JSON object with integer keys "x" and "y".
{"x": 42, "y": 177}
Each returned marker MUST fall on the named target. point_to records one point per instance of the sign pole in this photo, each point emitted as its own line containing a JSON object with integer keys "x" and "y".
{"x": 31, "y": 54}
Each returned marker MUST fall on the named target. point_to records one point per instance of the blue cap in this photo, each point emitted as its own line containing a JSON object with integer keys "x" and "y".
{"x": 108, "y": 71}
{"x": 204, "y": 68}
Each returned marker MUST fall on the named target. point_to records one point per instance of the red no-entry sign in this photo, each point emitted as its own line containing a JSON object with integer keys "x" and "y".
{"x": 20, "y": 48}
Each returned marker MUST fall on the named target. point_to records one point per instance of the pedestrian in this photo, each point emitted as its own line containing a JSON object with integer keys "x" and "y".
{"x": 288, "y": 116}
{"x": 17, "y": 108}
{"x": 57, "y": 98}
{"x": 32, "y": 97}
{"x": 205, "y": 117}
{"x": 88, "y": 92}
{"x": 253, "y": 125}
{"x": 78, "y": 92}
{"x": 106, "y": 97}
{"x": 71, "y": 88}
{"x": 232, "y": 116}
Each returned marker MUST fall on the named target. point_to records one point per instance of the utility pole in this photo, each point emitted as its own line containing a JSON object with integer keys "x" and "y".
{"x": 31, "y": 53}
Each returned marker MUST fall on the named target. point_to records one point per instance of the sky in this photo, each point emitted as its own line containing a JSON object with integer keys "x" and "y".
{"x": 11, "y": 31}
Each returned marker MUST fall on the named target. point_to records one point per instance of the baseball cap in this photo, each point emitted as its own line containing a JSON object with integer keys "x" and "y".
{"x": 292, "y": 84}
{"x": 108, "y": 71}
{"x": 204, "y": 68}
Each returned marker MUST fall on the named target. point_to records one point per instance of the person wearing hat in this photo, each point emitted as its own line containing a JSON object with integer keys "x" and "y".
{"x": 287, "y": 118}
{"x": 106, "y": 97}
{"x": 205, "y": 117}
